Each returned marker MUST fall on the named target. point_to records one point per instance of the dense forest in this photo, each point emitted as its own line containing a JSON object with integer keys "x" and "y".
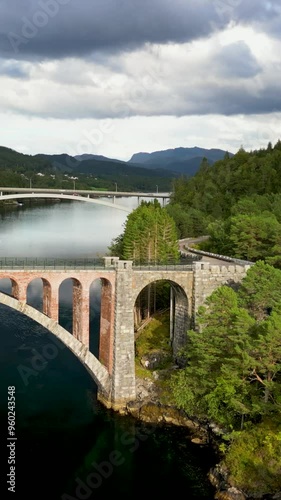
{"x": 233, "y": 377}
{"x": 237, "y": 202}
{"x": 233, "y": 360}
{"x": 232, "y": 372}
{"x": 150, "y": 236}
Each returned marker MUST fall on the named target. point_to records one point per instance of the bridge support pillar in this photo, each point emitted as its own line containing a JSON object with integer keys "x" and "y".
{"x": 54, "y": 304}
{"x": 106, "y": 326}
{"x": 85, "y": 318}
{"x": 47, "y": 297}
{"x": 123, "y": 373}
{"x": 19, "y": 291}
{"x": 77, "y": 310}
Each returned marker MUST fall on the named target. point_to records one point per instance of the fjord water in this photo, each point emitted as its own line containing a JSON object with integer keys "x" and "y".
{"x": 68, "y": 445}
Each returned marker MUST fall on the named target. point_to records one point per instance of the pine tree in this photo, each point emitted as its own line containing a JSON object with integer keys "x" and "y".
{"x": 150, "y": 235}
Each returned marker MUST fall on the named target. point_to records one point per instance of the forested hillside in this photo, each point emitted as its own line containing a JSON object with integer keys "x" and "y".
{"x": 58, "y": 171}
{"x": 233, "y": 378}
{"x": 237, "y": 201}
{"x": 233, "y": 359}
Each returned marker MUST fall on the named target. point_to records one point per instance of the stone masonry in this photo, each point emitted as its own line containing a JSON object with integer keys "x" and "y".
{"x": 114, "y": 371}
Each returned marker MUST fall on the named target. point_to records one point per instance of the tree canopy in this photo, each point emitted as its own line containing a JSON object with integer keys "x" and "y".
{"x": 150, "y": 235}
{"x": 233, "y": 367}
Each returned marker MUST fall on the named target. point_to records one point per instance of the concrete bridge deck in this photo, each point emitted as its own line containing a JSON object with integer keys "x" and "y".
{"x": 85, "y": 192}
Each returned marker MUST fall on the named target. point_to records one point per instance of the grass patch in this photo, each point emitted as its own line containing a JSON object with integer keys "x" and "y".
{"x": 155, "y": 336}
{"x": 142, "y": 372}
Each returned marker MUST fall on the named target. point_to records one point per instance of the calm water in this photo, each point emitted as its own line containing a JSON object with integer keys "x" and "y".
{"x": 68, "y": 446}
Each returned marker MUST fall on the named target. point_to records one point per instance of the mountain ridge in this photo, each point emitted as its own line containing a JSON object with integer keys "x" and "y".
{"x": 181, "y": 160}
{"x": 148, "y": 169}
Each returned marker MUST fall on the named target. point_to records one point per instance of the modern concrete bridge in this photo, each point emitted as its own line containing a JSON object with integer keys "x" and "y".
{"x": 122, "y": 282}
{"x": 90, "y": 196}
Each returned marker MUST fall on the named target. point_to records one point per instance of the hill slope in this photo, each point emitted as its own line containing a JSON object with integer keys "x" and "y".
{"x": 17, "y": 169}
{"x": 181, "y": 160}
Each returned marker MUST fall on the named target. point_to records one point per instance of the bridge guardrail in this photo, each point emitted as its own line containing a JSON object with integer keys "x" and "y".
{"x": 88, "y": 263}
{"x": 218, "y": 256}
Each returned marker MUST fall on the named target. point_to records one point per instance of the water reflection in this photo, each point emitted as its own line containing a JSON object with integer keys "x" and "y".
{"x": 74, "y": 229}
{"x": 62, "y": 430}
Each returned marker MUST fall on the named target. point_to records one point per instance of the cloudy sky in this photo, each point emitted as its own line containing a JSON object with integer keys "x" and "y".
{"x": 115, "y": 77}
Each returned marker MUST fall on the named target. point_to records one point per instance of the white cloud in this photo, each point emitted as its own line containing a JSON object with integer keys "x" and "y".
{"x": 217, "y": 90}
{"x": 121, "y": 138}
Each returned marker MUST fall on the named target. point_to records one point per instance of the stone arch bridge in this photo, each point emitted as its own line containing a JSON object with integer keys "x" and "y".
{"x": 122, "y": 282}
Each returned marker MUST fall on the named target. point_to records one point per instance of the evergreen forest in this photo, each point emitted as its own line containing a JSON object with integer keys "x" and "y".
{"x": 231, "y": 376}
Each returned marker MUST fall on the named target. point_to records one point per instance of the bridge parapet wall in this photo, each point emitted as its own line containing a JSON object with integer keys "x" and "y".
{"x": 207, "y": 278}
{"x": 226, "y": 258}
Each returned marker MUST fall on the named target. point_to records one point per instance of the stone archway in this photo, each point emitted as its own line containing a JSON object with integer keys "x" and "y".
{"x": 75, "y": 290}
{"x": 180, "y": 312}
{"x": 44, "y": 291}
{"x": 10, "y": 286}
{"x": 102, "y": 305}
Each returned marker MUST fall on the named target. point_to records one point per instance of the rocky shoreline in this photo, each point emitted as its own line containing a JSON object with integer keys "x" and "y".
{"x": 147, "y": 408}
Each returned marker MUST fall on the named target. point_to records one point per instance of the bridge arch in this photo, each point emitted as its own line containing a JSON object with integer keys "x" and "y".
{"x": 63, "y": 196}
{"x": 11, "y": 286}
{"x": 45, "y": 293}
{"x": 76, "y": 299}
{"x": 91, "y": 363}
{"x": 180, "y": 305}
{"x": 106, "y": 324}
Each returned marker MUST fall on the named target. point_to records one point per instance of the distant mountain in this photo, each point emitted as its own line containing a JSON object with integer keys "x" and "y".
{"x": 62, "y": 162}
{"x": 145, "y": 171}
{"x": 111, "y": 167}
{"x": 57, "y": 171}
{"x": 12, "y": 160}
{"x": 113, "y": 172}
{"x": 95, "y": 166}
{"x": 95, "y": 157}
{"x": 180, "y": 160}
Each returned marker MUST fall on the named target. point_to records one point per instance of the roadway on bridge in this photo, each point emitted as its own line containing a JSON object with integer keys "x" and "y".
{"x": 83, "y": 192}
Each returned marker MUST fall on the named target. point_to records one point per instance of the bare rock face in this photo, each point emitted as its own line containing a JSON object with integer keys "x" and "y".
{"x": 148, "y": 409}
{"x": 155, "y": 359}
{"x": 218, "y": 477}
{"x": 230, "y": 494}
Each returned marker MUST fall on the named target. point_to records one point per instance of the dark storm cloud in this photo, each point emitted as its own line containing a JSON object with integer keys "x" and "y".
{"x": 264, "y": 15}
{"x": 231, "y": 99}
{"x": 257, "y": 11}
{"x": 97, "y": 30}
{"x": 236, "y": 60}
{"x": 59, "y": 28}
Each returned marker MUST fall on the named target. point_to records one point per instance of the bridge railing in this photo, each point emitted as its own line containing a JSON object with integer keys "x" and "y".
{"x": 48, "y": 263}
{"x": 87, "y": 263}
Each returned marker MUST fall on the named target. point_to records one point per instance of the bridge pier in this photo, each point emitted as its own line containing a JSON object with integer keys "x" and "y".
{"x": 77, "y": 310}
{"x": 106, "y": 325}
{"x": 19, "y": 291}
{"x": 47, "y": 298}
{"x": 54, "y": 303}
{"x": 123, "y": 374}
